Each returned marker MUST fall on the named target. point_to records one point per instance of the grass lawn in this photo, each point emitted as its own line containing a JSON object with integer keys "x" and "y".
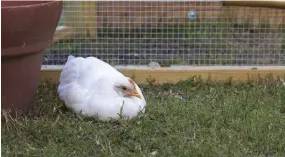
{"x": 191, "y": 118}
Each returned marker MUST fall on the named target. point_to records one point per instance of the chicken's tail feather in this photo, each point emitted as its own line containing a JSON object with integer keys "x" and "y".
{"x": 69, "y": 90}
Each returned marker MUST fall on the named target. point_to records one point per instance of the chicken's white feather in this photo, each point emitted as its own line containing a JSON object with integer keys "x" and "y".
{"x": 87, "y": 87}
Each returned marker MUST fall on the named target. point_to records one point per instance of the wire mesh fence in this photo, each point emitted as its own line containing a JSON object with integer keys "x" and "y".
{"x": 171, "y": 32}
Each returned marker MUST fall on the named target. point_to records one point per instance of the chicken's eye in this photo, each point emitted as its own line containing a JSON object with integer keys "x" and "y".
{"x": 124, "y": 88}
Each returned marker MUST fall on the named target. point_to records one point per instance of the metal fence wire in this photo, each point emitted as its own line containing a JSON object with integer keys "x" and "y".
{"x": 201, "y": 33}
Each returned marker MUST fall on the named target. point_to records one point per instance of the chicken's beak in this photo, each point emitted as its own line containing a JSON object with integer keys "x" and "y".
{"x": 135, "y": 93}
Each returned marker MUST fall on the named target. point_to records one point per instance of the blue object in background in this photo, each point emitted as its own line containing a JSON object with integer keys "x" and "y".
{"x": 192, "y": 15}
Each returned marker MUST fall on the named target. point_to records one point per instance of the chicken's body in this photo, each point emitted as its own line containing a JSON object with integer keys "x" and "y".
{"x": 87, "y": 87}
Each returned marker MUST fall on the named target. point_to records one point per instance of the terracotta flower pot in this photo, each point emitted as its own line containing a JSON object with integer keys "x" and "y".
{"x": 27, "y": 29}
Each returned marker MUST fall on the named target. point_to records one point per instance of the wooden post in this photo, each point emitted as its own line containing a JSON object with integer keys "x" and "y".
{"x": 90, "y": 13}
{"x": 81, "y": 16}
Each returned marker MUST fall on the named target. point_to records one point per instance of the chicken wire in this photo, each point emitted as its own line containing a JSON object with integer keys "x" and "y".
{"x": 173, "y": 32}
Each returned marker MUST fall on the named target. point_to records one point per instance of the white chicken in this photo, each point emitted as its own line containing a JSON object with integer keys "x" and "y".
{"x": 93, "y": 88}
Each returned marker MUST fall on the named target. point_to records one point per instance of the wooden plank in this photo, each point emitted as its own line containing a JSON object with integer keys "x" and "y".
{"x": 268, "y": 4}
{"x": 63, "y": 32}
{"x": 174, "y": 75}
{"x": 253, "y": 15}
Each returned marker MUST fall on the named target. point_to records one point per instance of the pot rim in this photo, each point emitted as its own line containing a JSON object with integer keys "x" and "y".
{"x": 30, "y": 5}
